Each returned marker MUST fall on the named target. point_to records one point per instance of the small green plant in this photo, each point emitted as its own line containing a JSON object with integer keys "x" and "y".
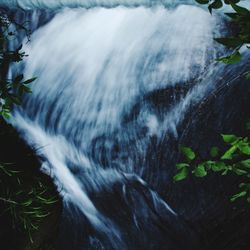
{"x": 235, "y": 160}
{"x": 27, "y": 201}
{"x": 240, "y": 20}
{"x": 11, "y": 90}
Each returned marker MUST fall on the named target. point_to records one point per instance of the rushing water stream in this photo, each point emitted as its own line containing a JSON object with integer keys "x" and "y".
{"x": 115, "y": 87}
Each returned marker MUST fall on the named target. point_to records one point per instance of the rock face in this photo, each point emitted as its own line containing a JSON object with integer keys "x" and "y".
{"x": 20, "y": 187}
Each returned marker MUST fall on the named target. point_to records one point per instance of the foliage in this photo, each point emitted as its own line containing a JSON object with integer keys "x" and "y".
{"x": 11, "y": 90}
{"x": 27, "y": 201}
{"x": 235, "y": 160}
{"x": 25, "y": 196}
{"x": 216, "y": 4}
{"x": 240, "y": 19}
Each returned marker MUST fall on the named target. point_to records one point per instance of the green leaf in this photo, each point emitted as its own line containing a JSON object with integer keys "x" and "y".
{"x": 225, "y": 172}
{"x": 18, "y": 78}
{"x": 245, "y": 163}
{"x": 232, "y": 15}
{"x": 218, "y": 166}
{"x": 232, "y": 59}
{"x": 209, "y": 164}
{"x": 247, "y": 75}
{"x": 6, "y": 115}
{"x": 202, "y": 1}
{"x": 188, "y": 153}
{"x": 240, "y": 10}
{"x": 236, "y": 196}
{"x": 30, "y": 80}
{"x": 215, "y": 5}
{"x": 214, "y": 152}
{"x": 244, "y": 185}
{"x": 245, "y": 149}
{"x": 26, "y": 89}
{"x": 181, "y": 175}
{"x": 239, "y": 171}
{"x": 231, "y": 1}
{"x": 228, "y": 155}
{"x": 229, "y": 138}
{"x": 181, "y": 165}
{"x": 230, "y": 42}
{"x": 200, "y": 171}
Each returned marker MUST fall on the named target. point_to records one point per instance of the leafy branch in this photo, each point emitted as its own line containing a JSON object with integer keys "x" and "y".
{"x": 235, "y": 160}
{"x": 11, "y": 90}
{"x": 240, "y": 19}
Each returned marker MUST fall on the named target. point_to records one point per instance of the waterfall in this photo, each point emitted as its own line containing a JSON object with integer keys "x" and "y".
{"x": 91, "y": 116}
{"x": 55, "y": 4}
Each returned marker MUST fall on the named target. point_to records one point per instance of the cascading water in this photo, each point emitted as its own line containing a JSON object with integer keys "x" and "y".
{"x": 30, "y": 4}
{"x": 93, "y": 118}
